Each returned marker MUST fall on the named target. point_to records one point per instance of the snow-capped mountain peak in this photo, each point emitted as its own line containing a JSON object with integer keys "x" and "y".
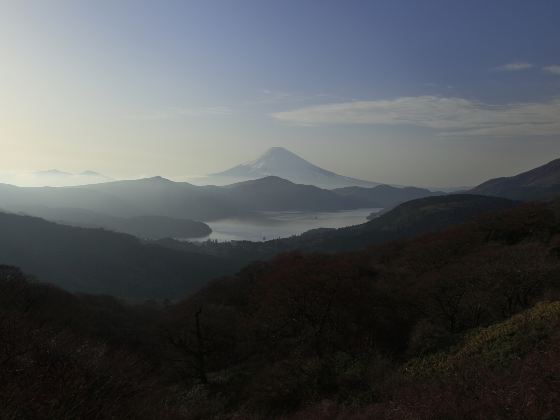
{"x": 280, "y": 162}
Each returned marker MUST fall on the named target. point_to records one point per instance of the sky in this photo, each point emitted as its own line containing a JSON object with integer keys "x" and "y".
{"x": 433, "y": 92}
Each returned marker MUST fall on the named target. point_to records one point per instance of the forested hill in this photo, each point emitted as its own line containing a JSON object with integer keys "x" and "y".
{"x": 99, "y": 261}
{"x": 103, "y": 262}
{"x": 541, "y": 183}
{"x": 458, "y": 324}
{"x": 400, "y": 330}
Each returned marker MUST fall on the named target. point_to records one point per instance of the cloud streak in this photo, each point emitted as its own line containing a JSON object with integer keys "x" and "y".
{"x": 552, "y": 69}
{"x": 447, "y": 116}
{"x": 174, "y": 113}
{"x": 517, "y": 66}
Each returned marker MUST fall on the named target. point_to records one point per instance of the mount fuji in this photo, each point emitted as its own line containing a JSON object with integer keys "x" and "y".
{"x": 282, "y": 163}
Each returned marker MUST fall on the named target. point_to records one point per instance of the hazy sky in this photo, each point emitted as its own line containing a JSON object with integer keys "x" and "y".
{"x": 432, "y": 92}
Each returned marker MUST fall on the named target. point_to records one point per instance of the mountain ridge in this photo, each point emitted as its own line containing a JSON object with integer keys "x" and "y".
{"x": 278, "y": 161}
{"x": 540, "y": 183}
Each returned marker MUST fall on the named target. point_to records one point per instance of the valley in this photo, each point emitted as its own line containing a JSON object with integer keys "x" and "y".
{"x": 279, "y": 210}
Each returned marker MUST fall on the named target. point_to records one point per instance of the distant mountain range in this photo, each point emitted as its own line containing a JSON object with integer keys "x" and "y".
{"x": 280, "y": 162}
{"x": 154, "y": 207}
{"x": 157, "y": 207}
{"x": 541, "y": 183}
{"x": 54, "y": 178}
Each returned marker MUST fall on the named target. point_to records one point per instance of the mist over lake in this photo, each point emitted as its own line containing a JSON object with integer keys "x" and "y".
{"x": 282, "y": 224}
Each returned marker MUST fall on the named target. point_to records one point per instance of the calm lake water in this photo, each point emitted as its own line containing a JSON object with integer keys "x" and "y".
{"x": 274, "y": 225}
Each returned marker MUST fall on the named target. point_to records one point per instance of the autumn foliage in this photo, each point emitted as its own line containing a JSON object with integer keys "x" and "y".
{"x": 460, "y": 324}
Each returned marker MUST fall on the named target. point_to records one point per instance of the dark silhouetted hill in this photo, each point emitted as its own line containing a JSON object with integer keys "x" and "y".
{"x": 386, "y": 196}
{"x": 458, "y": 324}
{"x": 146, "y": 227}
{"x": 542, "y": 183}
{"x": 103, "y": 262}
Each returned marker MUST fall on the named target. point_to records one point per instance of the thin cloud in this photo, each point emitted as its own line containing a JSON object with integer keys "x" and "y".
{"x": 447, "y": 116}
{"x": 198, "y": 112}
{"x": 517, "y": 66}
{"x": 552, "y": 69}
{"x": 173, "y": 113}
{"x": 275, "y": 97}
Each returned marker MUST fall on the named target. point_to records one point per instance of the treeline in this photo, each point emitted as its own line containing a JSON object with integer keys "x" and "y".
{"x": 460, "y": 324}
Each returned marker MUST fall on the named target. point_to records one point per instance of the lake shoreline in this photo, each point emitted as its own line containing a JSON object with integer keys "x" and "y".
{"x": 276, "y": 225}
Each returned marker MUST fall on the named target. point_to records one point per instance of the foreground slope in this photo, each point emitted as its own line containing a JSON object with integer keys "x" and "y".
{"x": 421, "y": 328}
{"x": 460, "y": 324}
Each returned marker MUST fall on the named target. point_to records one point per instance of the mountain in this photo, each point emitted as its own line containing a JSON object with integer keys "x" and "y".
{"x": 173, "y": 199}
{"x": 385, "y": 196}
{"x": 158, "y": 196}
{"x": 52, "y": 172}
{"x": 91, "y": 173}
{"x": 161, "y": 197}
{"x": 282, "y": 163}
{"x": 541, "y": 183}
{"x": 277, "y": 194}
{"x": 57, "y": 178}
{"x": 102, "y": 262}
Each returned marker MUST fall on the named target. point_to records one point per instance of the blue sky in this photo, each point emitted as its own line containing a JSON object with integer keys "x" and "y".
{"x": 413, "y": 92}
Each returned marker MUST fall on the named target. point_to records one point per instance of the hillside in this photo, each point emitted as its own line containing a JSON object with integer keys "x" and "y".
{"x": 386, "y": 196}
{"x": 458, "y": 324}
{"x": 541, "y": 183}
{"x": 412, "y": 218}
{"x": 276, "y": 194}
{"x": 144, "y": 227}
{"x": 99, "y": 261}
{"x": 103, "y": 262}
{"x": 305, "y": 329}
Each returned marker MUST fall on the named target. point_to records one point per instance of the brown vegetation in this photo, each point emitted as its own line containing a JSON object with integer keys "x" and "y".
{"x": 461, "y": 324}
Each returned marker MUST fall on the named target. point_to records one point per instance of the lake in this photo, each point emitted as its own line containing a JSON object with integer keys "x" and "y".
{"x": 274, "y": 225}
